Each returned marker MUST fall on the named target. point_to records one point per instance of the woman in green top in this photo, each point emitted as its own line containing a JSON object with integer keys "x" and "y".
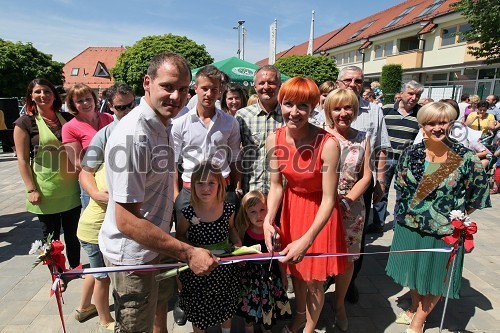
{"x": 51, "y": 182}
{"x": 434, "y": 177}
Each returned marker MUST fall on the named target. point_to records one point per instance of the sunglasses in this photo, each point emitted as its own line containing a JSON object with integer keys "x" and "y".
{"x": 348, "y": 81}
{"x": 124, "y": 107}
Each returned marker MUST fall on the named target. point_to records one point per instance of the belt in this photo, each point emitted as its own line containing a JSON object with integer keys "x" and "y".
{"x": 188, "y": 184}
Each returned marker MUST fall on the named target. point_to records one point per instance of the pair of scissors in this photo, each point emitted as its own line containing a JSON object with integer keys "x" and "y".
{"x": 273, "y": 243}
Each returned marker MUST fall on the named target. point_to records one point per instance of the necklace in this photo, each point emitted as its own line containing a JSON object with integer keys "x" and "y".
{"x": 52, "y": 123}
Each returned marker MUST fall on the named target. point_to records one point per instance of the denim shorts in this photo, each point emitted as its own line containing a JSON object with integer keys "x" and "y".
{"x": 95, "y": 258}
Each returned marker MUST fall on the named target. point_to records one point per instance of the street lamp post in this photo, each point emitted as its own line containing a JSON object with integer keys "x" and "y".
{"x": 240, "y": 24}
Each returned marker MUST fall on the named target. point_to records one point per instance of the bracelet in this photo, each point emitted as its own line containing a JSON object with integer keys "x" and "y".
{"x": 33, "y": 190}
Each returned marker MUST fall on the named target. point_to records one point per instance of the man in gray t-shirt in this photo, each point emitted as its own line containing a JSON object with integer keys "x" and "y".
{"x": 139, "y": 172}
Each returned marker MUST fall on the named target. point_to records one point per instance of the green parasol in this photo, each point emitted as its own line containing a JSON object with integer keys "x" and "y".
{"x": 239, "y": 71}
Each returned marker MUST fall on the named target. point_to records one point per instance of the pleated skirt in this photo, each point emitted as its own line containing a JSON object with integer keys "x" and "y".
{"x": 427, "y": 272}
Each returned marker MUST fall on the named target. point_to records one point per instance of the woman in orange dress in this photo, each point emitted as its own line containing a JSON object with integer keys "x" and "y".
{"x": 307, "y": 157}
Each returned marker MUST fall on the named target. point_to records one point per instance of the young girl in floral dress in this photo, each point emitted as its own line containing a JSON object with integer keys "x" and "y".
{"x": 209, "y": 222}
{"x": 263, "y": 298}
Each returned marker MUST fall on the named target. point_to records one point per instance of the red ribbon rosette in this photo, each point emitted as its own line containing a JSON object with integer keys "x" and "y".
{"x": 56, "y": 257}
{"x": 464, "y": 231}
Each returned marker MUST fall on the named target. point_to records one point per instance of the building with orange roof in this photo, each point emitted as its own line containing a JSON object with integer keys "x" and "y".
{"x": 421, "y": 35}
{"x": 92, "y": 67}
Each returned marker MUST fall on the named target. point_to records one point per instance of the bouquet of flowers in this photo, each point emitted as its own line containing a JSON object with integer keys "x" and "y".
{"x": 463, "y": 231}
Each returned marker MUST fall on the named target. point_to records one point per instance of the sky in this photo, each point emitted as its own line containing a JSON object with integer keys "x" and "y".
{"x": 64, "y": 28}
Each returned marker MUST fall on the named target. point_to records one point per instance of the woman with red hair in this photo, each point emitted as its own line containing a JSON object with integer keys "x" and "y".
{"x": 307, "y": 157}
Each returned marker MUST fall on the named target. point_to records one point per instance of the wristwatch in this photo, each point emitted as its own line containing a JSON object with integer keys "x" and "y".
{"x": 239, "y": 191}
{"x": 345, "y": 202}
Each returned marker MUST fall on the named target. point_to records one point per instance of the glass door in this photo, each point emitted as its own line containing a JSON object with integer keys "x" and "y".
{"x": 484, "y": 88}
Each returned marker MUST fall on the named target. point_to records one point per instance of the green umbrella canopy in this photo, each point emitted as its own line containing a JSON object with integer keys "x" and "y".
{"x": 239, "y": 71}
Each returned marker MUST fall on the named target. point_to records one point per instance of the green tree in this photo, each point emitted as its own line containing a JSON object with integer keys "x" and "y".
{"x": 390, "y": 80}
{"x": 20, "y": 63}
{"x": 484, "y": 18}
{"x": 320, "y": 69}
{"x": 133, "y": 63}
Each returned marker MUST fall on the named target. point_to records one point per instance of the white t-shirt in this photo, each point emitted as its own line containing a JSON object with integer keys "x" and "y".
{"x": 195, "y": 142}
{"x": 139, "y": 159}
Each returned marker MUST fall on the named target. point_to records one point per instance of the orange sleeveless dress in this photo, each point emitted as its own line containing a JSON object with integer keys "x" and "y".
{"x": 302, "y": 198}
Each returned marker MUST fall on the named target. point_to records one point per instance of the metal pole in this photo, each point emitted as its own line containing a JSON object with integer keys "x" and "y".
{"x": 244, "y": 37}
{"x": 240, "y": 24}
{"x": 239, "y": 38}
{"x": 449, "y": 284}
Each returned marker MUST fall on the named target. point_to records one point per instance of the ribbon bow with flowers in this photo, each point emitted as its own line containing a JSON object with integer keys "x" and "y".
{"x": 463, "y": 231}
{"x": 50, "y": 253}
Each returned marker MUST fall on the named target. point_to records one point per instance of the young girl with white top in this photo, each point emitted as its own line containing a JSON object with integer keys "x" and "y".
{"x": 208, "y": 222}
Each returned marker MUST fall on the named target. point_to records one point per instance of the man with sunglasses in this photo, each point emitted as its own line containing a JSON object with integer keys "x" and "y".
{"x": 370, "y": 120}
{"x": 120, "y": 100}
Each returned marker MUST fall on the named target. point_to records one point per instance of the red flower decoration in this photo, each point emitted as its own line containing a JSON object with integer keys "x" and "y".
{"x": 462, "y": 230}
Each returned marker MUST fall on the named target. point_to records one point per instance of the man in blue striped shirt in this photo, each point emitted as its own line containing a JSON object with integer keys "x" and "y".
{"x": 402, "y": 127}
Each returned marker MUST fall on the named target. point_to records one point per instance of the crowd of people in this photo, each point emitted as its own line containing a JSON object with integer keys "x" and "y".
{"x": 297, "y": 170}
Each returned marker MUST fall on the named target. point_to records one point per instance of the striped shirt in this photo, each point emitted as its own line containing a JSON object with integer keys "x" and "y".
{"x": 255, "y": 125}
{"x": 402, "y": 130}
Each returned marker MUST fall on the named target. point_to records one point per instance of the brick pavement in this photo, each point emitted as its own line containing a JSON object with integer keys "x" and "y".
{"x": 25, "y": 305}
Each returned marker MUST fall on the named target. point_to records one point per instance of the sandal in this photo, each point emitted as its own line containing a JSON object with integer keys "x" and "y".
{"x": 287, "y": 329}
{"x": 108, "y": 328}
{"x": 403, "y": 318}
{"x": 86, "y": 313}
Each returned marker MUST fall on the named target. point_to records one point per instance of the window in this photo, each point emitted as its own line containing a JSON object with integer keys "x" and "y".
{"x": 454, "y": 35}
{"x": 456, "y": 75}
{"x": 488, "y": 73}
{"x": 470, "y": 74}
{"x": 366, "y": 26}
{"x": 400, "y": 16}
{"x": 408, "y": 44}
{"x": 431, "y": 8}
{"x": 463, "y": 28}
{"x": 101, "y": 70}
{"x": 74, "y": 71}
{"x": 436, "y": 77}
{"x": 383, "y": 50}
{"x": 349, "y": 57}
{"x": 359, "y": 55}
{"x": 388, "y": 48}
{"x": 449, "y": 36}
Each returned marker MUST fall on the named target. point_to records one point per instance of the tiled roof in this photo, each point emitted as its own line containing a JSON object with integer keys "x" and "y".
{"x": 379, "y": 24}
{"x": 93, "y": 64}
